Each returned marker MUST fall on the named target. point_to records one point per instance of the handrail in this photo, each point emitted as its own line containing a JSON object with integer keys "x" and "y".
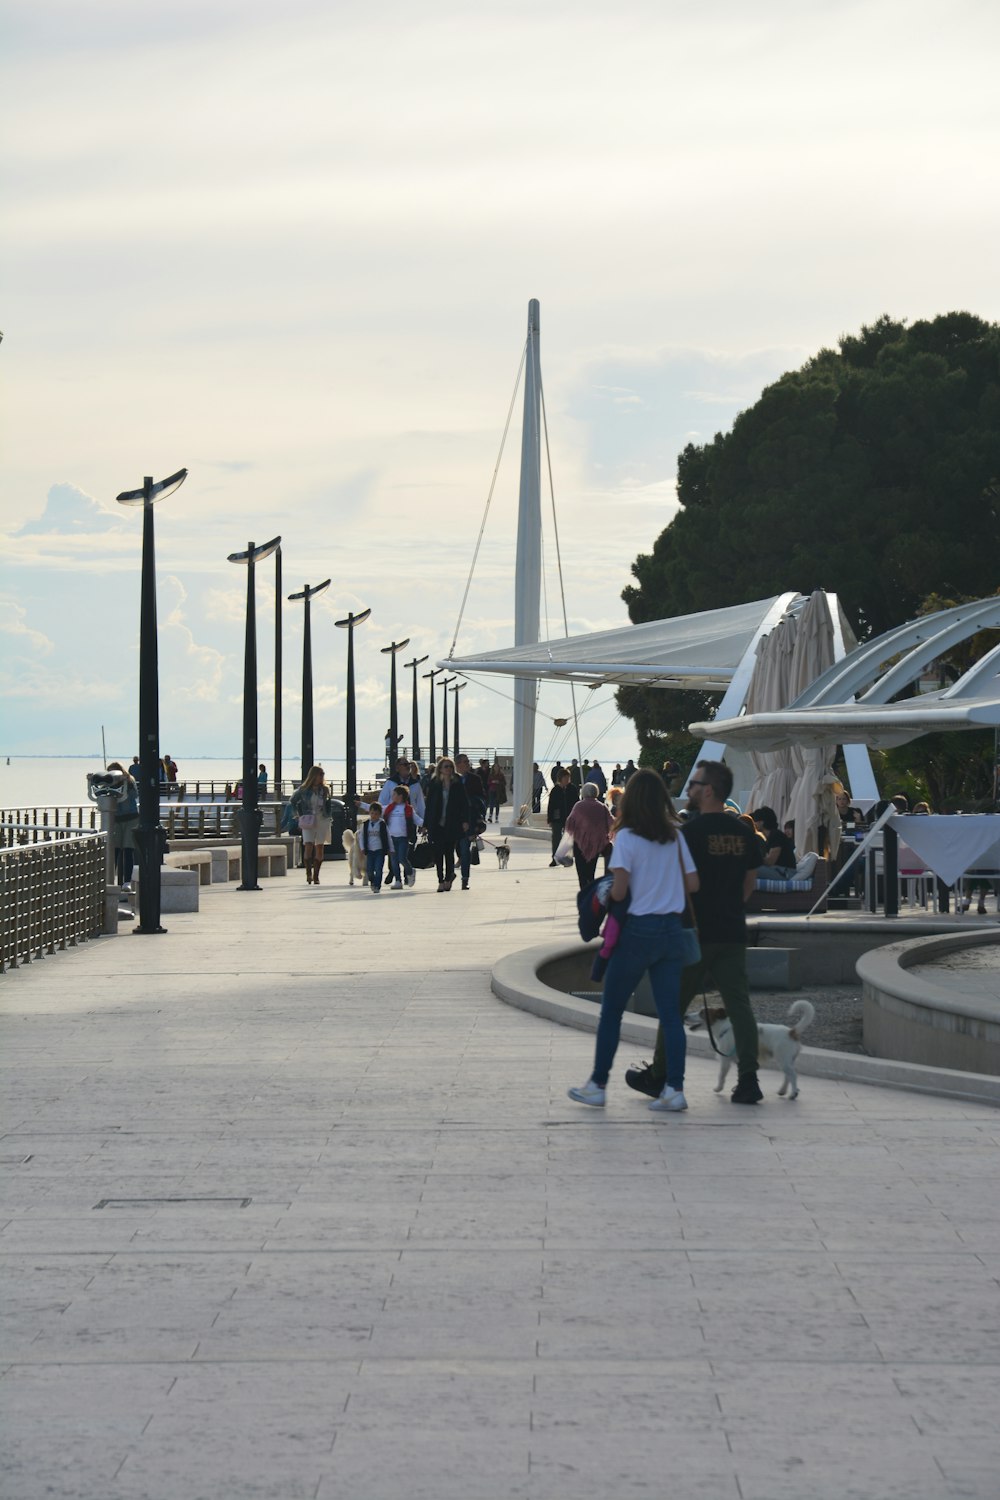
{"x": 51, "y": 895}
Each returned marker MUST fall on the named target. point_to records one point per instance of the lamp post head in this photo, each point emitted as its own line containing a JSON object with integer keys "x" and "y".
{"x": 254, "y": 553}
{"x": 416, "y": 662}
{"x": 308, "y": 592}
{"x": 352, "y": 620}
{"x": 429, "y": 676}
{"x": 151, "y": 492}
{"x": 396, "y": 646}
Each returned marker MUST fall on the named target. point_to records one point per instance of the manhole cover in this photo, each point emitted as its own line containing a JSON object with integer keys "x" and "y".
{"x": 172, "y": 1202}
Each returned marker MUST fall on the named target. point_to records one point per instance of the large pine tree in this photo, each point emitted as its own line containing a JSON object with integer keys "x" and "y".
{"x": 873, "y": 471}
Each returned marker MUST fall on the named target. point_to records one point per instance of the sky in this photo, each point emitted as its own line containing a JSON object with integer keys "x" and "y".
{"x": 291, "y": 249}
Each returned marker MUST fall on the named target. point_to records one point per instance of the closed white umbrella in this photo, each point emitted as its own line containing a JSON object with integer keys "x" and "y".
{"x": 810, "y": 800}
{"x": 770, "y": 689}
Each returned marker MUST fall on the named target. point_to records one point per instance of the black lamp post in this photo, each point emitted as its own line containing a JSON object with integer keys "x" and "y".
{"x": 415, "y": 727}
{"x": 393, "y": 745}
{"x": 308, "y": 752}
{"x": 444, "y": 685}
{"x": 351, "y": 789}
{"x": 249, "y": 815}
{"x": 277, "y": 674}
{"x": 149, "y": 837}
{"x": 456, "y": 690}
{"x": 429, "y": 677}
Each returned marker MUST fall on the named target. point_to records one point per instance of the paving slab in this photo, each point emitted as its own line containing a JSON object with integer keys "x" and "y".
{"x": 295, "y": 1207}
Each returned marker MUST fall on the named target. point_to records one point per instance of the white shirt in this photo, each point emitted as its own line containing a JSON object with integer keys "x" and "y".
{"x": 395, "y": 820}
{"x": 655, "y": 879}
{"x": 416, "y": 794}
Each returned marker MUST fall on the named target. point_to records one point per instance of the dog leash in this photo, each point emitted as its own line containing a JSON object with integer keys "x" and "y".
{"x": 705, "y": 1008}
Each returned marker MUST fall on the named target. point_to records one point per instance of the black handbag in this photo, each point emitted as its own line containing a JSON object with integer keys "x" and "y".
{"x": 422, "y": 855}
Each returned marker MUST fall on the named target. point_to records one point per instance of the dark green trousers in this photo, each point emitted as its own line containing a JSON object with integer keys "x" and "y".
{"x": 723, "y": 967}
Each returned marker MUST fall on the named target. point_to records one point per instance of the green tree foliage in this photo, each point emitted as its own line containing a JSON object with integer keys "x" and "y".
{"x": 873, "y": 471}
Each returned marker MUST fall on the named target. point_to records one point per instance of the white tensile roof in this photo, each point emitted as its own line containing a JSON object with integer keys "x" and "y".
{"x": 700, "y": 651}
{"x": 855, "y": 701}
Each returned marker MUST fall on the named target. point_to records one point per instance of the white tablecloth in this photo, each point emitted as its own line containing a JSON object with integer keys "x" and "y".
{"x": 951, "y": 846}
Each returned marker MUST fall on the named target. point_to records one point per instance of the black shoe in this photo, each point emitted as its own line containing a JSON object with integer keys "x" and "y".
{"x": 552, "y": 864}
{"x": 644, "y": 1081}
{"x": 747, "y": 1091}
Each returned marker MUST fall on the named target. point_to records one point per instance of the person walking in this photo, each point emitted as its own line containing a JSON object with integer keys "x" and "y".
{"x": 599, "y": 779}
{"x": 653, "y": 867}
{"x": 562, "y": 798}
{"x": 496, "y": 793}
{"x": 727, "y": 856}
{"x": 403, "y": 776}
{"x": 373, "y": 837}
{"x": 476, "y": 793}
{"x": 402, "y": 821}
{"x": 446, "y": 819}
{"x": 538, "y": 786}
{"x": 312, "y": 804}
{"x": 590, "y": 823}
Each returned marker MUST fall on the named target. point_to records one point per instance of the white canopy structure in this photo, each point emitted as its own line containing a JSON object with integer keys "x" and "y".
{"x": 714, "y": 652}
{"x": 855, "y": 701}
{"x": 702, "y": 651}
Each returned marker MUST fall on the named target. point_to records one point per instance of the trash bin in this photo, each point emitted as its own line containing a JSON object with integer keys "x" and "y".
{"x": 338, "y": 822}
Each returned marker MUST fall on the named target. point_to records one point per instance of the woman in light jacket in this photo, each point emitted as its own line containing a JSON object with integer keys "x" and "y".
{"x": 312, "y": 802}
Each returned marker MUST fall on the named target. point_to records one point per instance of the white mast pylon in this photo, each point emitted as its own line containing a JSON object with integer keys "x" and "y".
{"x": 528, "y": 567}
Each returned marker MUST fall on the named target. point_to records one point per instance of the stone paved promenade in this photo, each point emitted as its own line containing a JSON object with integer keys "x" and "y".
{"x": 295, "y": 1208}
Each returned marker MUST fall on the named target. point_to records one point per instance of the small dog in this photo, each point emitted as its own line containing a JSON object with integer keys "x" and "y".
{"x": 356, "y": 862}
{"x": 775, "y": 1043}
{"x": 503, "y": 854}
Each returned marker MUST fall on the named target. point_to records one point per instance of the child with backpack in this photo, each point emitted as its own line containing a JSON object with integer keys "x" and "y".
{"x": 402, "y": 821}
{"x": 373, "y": 837}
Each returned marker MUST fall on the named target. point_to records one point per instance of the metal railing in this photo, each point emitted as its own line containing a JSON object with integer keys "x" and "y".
{"x": 51, "y": 894}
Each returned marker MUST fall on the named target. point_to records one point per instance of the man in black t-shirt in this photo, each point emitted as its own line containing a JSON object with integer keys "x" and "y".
{"x": 727, "y": 855}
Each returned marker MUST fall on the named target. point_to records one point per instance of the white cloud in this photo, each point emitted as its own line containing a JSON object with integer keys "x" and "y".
{"x": 14, "y": 622}
{"x": 309, "y": 284}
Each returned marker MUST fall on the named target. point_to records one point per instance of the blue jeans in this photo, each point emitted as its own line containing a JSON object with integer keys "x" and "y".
{"x": 399, "y": 858}
{"x": 376, "y": 864}
{"x": 647, "y": 944}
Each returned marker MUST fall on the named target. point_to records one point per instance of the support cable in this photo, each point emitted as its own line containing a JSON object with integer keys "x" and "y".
{"x": 555, "y": 528}
{"x": 489, "y": 501}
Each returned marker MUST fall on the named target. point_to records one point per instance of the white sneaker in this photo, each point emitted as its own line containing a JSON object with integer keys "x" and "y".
{"x": 671, "y": 1099}
{"x": 411, "y": 877}
{"x": 587, "y": 1093}
{"x": 397, "y": 885}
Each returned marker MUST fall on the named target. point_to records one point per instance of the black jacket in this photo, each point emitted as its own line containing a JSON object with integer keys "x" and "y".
{"x": 457, "y": 811}
{"x": 561, "y": 799}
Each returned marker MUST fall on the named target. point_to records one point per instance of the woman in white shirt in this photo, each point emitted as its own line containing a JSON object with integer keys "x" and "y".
{"x": 651, "y": 864}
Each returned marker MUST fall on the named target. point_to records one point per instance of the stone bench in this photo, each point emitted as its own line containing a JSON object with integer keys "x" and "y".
{"x": 226, "y": 863}
{"x": 198, "y": 860}
{"x": 178, "y": 889}
{"x": 272, "y": 859}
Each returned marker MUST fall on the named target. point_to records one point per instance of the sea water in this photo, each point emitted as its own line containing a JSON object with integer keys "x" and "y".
{"x": 61, "y": 781}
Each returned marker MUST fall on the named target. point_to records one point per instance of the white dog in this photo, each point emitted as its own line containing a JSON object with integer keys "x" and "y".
{"x": 356, "y": 862}
{"x": 776, "y": 1044}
